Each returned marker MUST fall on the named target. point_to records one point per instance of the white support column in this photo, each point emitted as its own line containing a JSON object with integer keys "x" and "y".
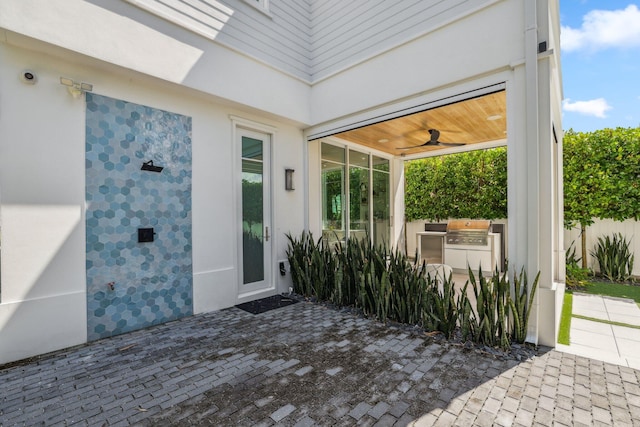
{"x": 397, "y": 221}
{"x": 314, "y": 196}
{"x": 540, "y": 173}
{"x": 532, "y": 135}
{"x": 547, "y": 321}
{"x": 517, "y": 174}
{"x": 560, "y": 257}
{"x": 532, "y": 173}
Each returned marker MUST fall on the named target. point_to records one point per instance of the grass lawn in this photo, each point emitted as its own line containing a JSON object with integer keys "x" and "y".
{"x": 619, "y": 290}
{"x": 565, "y": 319}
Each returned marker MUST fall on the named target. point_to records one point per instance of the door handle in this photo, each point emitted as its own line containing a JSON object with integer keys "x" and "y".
{"x": 266, "y": 234}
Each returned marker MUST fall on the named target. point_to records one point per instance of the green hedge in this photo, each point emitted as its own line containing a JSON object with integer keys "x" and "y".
{"x": 601, "y": 175}
{"x": 464, "y": 185}
{"x": 601, "y": 178}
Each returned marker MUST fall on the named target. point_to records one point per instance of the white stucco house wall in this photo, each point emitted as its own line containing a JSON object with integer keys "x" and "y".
{"x": 220, "y": 91}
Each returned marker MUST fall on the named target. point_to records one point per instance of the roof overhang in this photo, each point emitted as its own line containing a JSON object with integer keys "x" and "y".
{"x": 474, "y": 123}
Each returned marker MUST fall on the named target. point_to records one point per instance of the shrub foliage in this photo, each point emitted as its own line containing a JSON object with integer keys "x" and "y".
{"x": 614, "y": 257}
{"x": 601, "y": 171}
{"x": 463, "y": 185}
{"x": 387, "y": 285}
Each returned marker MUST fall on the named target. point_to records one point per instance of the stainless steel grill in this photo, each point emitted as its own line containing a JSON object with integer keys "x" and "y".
{"x": 468, "y": 232}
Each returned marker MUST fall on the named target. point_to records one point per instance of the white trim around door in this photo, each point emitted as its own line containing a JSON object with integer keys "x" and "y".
{"x": 253, "y": 144}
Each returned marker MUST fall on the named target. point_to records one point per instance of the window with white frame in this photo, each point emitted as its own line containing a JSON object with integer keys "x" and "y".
{"x": 355, "y": 195}
{"x": 262, "y": 5}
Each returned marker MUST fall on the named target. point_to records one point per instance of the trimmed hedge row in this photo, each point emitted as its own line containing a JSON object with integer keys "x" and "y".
{"x": 464, "y": 185}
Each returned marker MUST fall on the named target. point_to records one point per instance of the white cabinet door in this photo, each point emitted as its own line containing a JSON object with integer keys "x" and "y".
{"x": 480, "y": 259}
{"x": 456, "y": 258}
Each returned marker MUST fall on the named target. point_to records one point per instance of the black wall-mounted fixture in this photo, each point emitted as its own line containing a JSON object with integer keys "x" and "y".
{"x": 145, "y": 235}
{"x": 542, "y": 47}
{"x": 283, "y": 270}
{"x": 148, "y": 166}
{"x": 288, "y": 179}
{"x": 28, "y": 77}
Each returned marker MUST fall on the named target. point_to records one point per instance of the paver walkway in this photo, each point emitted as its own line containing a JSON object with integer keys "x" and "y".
{"x": 602, "y": 341}
{"x": 307, "y": 365}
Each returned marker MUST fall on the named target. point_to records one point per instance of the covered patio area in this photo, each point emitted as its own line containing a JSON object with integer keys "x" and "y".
{"x": 350, "y": 158}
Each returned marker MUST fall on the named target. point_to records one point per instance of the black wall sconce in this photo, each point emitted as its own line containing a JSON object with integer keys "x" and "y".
{"x": 148, "y": 166}
{"x": 288, "y": 179}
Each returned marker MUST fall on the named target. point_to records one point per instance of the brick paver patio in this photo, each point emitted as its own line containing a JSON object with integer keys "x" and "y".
{"x": 308, "y": 365}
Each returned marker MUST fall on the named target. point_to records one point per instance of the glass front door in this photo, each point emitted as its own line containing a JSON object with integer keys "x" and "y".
{"x": 256, "y": 208}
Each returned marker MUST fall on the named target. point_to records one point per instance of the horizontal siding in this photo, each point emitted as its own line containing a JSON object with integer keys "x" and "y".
{"x": 312, "y": 39}
{"x": 346, "y": 33}
{"x": 298, "y": 16}
{"x": 281, "y": 37}
{"x": 281, "y": 40}
{"x": 361, "y": 21}
{"x": 204, "y": 18}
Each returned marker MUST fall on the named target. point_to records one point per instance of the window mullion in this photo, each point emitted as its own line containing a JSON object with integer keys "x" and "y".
{"x": 347, "y": 195}
{"x": 371, "y": 201}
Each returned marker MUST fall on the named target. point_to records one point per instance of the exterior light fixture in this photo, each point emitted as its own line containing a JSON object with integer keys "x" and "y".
{"x": 28, "y": 77}
{"x": 288, "y": 179}
{"x": 149, "y": 166}
{"x": 75, "y": 88}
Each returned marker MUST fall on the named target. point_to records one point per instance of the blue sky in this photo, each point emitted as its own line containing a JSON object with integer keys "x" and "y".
{"x": 600, "y": 64}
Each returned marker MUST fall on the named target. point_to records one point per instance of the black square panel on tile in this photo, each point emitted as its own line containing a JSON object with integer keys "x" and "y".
{"x": 145, "y": 235}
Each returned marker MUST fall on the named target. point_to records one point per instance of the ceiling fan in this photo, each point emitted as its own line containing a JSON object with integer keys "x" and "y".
{"x": 433, "y": 141}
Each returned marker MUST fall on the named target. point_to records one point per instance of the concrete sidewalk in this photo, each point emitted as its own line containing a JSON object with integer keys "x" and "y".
{"x": 306, "y": 365}
{"x": 602, "y": 341}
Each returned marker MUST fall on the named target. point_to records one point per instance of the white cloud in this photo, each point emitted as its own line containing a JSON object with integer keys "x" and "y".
{"x": 594, "y": 107}
{"x": 602, "y": 29}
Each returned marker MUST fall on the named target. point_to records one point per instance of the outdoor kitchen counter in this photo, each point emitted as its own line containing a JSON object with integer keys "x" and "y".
{"x": 432, "y": 248}
{"x": 461, "y": 256}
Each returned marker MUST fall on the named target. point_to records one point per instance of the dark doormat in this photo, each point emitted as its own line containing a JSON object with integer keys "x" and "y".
{"x": 266, "y": 304}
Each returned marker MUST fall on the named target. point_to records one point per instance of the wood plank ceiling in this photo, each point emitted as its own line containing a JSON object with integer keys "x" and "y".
{"x": 473, "y": 121}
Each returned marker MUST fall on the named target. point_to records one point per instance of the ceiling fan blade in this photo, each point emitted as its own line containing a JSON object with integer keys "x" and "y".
{"x": 413, "y": 146}
{"x": 434, "y": 134}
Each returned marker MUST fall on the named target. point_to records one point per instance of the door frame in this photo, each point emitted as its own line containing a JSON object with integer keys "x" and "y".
{"x": 239, "y": 126}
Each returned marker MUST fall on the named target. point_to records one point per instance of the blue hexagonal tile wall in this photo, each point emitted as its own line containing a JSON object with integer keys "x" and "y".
{"x": 133, "y": 285}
